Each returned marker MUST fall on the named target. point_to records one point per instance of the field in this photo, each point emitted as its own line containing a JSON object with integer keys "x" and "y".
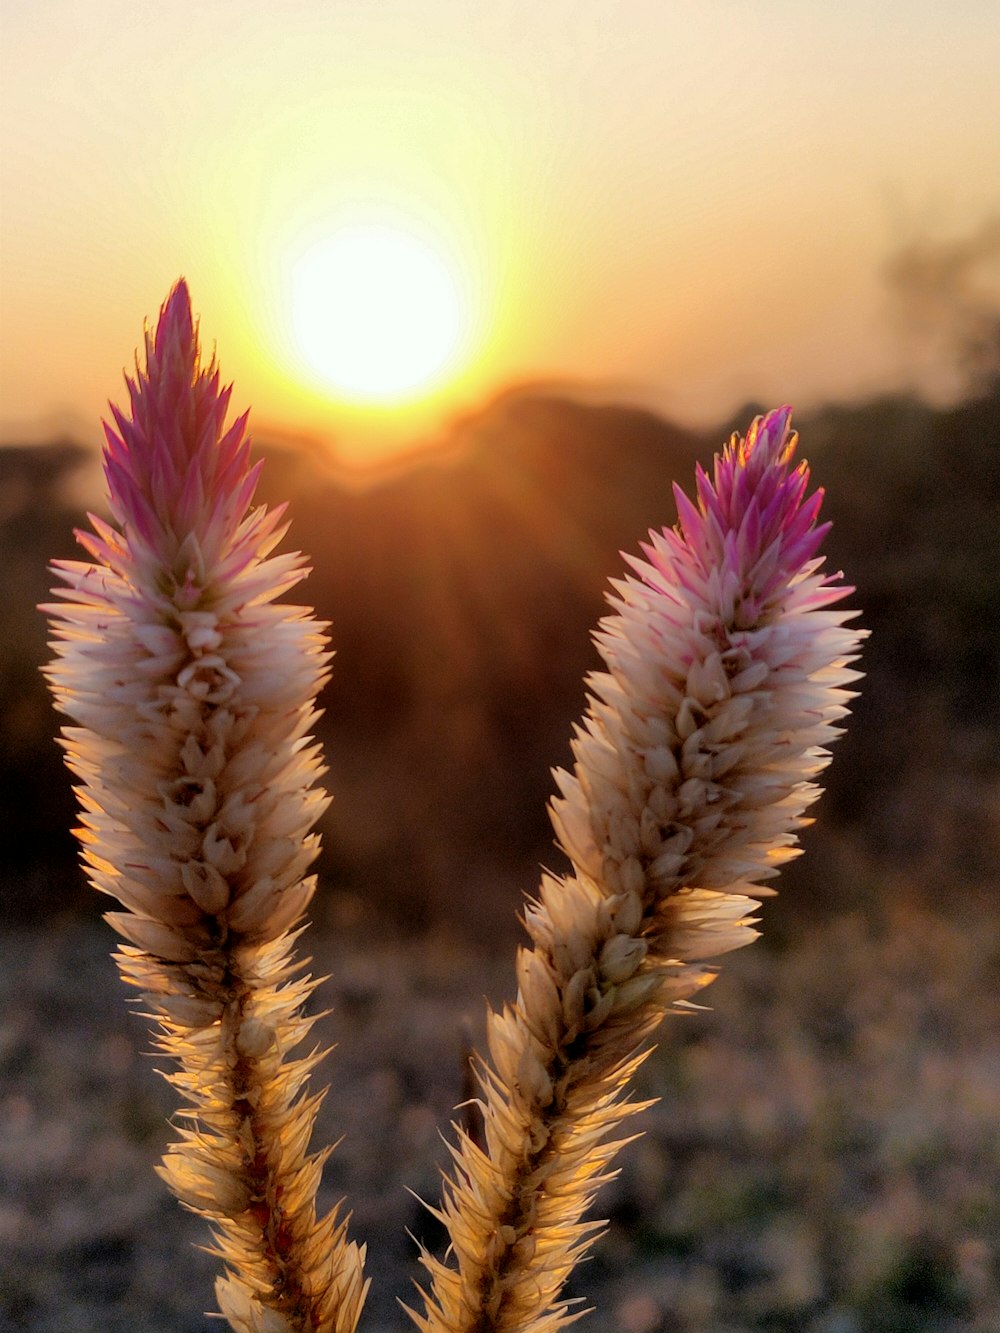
{"x": 823, "y": 1156}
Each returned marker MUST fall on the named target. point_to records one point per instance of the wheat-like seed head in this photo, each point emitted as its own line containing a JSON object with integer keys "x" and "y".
{"x": 192, "y": 688}
{"x": 727, "y": 677}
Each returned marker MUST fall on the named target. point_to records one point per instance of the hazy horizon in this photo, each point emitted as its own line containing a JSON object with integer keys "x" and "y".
{"x": 680, "y": 207}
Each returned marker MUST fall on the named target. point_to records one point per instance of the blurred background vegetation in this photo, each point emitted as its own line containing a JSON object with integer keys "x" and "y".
{"x": 824, "y": 1154}
{"x": 461, "y": 593}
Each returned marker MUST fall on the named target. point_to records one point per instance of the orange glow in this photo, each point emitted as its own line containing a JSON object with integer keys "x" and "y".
{"x": 616, "y": 207}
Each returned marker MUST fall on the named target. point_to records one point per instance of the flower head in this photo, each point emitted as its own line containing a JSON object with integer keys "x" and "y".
{"x": 726, "y": 680}
{"x": 193, "y": 690}
{"x": 725, "y": 684}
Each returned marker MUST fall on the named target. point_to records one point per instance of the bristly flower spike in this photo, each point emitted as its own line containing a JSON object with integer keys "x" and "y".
{"x": 727, "y": 678}
{"x": 192, "y": 689}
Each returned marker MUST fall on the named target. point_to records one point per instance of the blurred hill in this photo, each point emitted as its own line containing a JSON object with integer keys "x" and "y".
{"x": 461, "y": 594}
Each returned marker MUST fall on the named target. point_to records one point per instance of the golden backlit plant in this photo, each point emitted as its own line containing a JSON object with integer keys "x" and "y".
{"x": 191, "y": 688}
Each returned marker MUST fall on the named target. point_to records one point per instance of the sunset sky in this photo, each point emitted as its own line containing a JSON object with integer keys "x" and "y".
{"x": 388, "y": 212}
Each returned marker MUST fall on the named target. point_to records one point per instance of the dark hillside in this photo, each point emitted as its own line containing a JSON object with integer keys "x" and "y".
{"x": 461, "y": 595}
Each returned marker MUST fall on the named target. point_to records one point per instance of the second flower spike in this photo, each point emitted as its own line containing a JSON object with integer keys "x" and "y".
{"x": 727, "y": 677}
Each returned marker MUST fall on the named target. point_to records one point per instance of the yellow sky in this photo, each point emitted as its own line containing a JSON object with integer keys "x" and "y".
{"x": 682, "y": 204}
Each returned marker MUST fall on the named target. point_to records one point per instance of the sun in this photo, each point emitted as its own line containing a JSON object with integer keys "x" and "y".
{"x": 377, "y": 314}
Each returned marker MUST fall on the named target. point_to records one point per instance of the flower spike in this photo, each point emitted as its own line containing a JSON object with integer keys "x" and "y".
{"x": 727, "y": 676}
{"x": 192, "y": 689}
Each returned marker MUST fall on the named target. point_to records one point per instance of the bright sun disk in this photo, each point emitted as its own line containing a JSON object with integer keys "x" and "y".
{"x": 376, "y": 313}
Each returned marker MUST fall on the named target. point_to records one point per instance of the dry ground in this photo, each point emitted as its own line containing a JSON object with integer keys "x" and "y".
{"x": 824, "y": 1156}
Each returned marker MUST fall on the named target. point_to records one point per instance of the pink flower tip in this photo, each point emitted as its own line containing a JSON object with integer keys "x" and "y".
{"x": 754, "y": 527}
{"x": 769, "y": 442}
{"x": 175, "y": 328}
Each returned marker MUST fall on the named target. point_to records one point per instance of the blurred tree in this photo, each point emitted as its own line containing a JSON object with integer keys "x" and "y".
{"x": 462, "y": 594}
{"x": 38, "y": 507}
